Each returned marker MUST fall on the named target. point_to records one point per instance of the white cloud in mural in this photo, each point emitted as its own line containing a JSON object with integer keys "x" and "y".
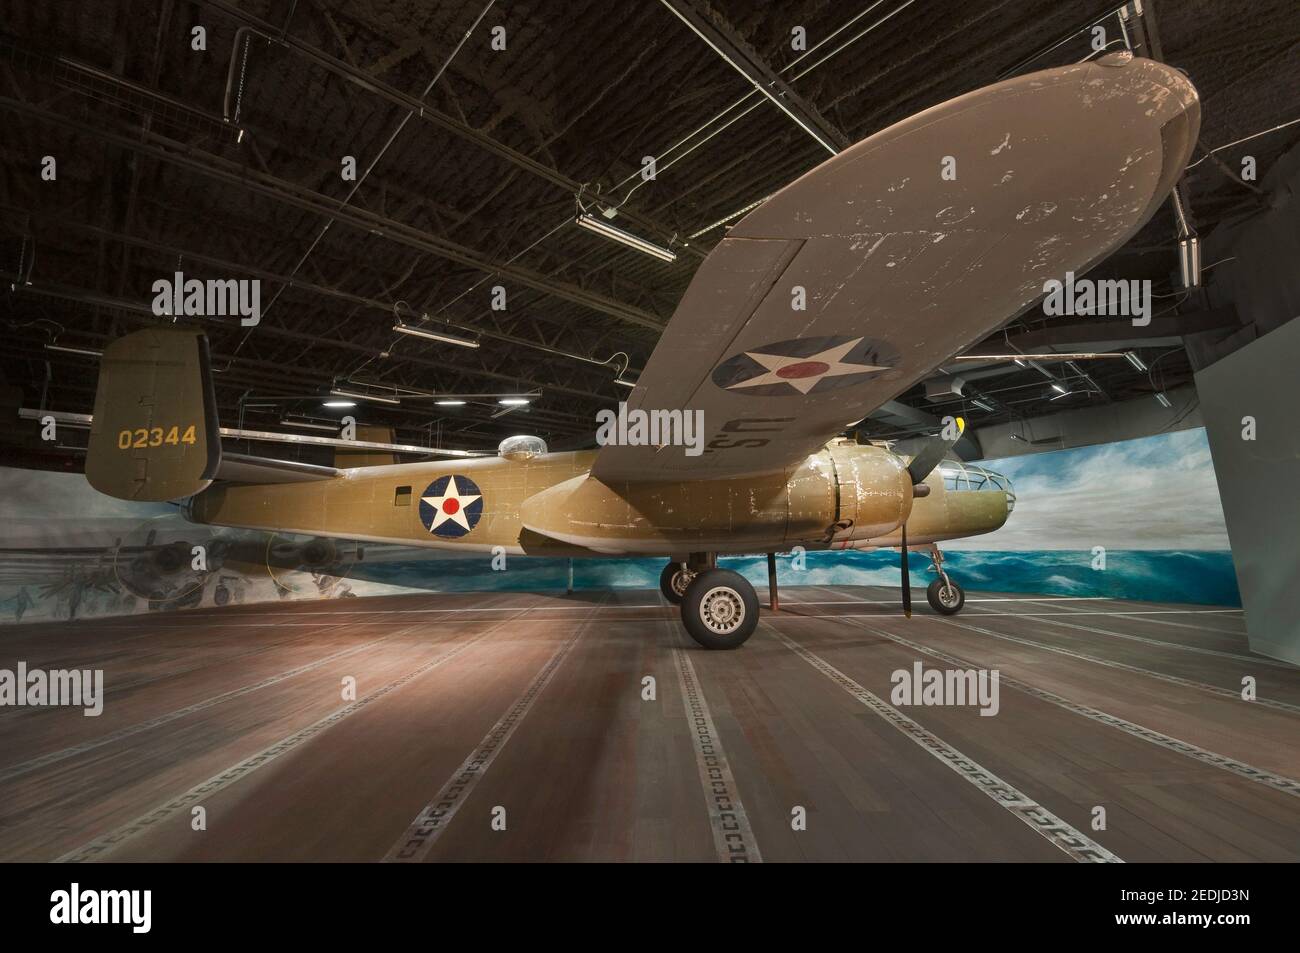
{"x": 1152, "y": 493}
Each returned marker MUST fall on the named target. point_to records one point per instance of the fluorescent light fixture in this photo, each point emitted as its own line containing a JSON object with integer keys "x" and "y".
{"x": 357, "y": 395}
{"x": 1164, "y": 401}
{"x": 622, "y": 383}
{"x": 419, "y": 332}
{"x": 1064, "y": 393}
{"x": 1076, "y": 356}
{"x": 83, "y": 351}
{"x": 593, "y": 224}
{"x": 981, "y": 404}
{"x": 513, "y": 401}
{"x": 1137, "y": 362}
{"x": 1059, "y": 389}
{"x": 1189, "y": 262}
{"x": 308, "y": 424}
{"x": 450, "y": 403}
{"x": 340, "y": 403}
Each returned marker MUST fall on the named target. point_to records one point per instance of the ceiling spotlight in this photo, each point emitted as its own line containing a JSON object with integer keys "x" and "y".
{"x": 1059, "y": 389}
{"x": 622, "y": 383}
{"x": 1137, "y": 362}
{"x": 419, "y": 332}
{"x": 357, "y": 395}
{"x": 513, "y": 401}
{"x": 449, "y": 403}
{"x": 593, "y": 224}
{"x": 1164, "y": 401}
{"x": 340, "y": 403}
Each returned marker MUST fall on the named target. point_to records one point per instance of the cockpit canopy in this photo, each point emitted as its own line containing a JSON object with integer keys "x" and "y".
{"x": 967, "y": 477}
{"x": 522, "y": 447}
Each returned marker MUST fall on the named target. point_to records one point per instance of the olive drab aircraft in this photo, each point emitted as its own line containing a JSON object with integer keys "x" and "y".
{"x": 902, "y": 268}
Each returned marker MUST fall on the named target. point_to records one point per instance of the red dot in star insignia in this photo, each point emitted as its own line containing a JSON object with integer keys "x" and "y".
{"x": 802, "y": 370}
{"x": 450, "y": 506}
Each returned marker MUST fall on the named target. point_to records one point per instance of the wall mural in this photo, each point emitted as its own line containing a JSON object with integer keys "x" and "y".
{"x": 1151, "y": 504}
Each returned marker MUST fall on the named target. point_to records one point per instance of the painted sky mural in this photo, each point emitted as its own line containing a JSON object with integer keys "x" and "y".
{"x": 1151, "y": 503}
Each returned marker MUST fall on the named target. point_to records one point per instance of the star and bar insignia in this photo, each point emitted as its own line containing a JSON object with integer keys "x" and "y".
{"x": 804, "y": 366}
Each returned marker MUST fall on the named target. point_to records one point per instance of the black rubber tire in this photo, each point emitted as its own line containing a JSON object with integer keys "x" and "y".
{"x": 737, "y": 594}
{"x": 666, "y": 583}
{"x": 932, "y": 594}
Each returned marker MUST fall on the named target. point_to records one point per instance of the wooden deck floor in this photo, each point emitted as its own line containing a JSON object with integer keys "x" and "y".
{"x": 533, "y": 713}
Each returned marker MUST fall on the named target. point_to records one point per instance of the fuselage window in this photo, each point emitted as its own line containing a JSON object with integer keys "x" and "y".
{"x": 402, "y": 496}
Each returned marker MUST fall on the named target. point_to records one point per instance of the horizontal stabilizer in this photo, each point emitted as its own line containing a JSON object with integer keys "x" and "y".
{"x": 241, "y": 468}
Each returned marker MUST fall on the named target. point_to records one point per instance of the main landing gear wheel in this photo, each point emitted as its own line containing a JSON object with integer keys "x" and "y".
{"x": 946, "y": 597}
{"x": 720, "y": 609}
{"x": 673, "y": 582}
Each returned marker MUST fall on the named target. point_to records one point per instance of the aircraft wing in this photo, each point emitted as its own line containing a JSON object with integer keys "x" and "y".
{"x": 906, "y": 248}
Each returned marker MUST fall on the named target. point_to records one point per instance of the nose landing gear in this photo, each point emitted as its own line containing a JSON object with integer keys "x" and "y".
{"x": 944, "y": 595}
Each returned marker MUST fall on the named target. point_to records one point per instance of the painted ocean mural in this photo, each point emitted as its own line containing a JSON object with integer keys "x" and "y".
{"x": 1157, "y": 576}
{"x": 1151, "y": 504}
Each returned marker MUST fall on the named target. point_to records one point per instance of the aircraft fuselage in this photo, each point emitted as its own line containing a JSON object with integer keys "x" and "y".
{"x": 843, "y": 497}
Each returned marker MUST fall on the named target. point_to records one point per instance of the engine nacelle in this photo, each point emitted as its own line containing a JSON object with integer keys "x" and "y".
{"x": 848, "y": 493}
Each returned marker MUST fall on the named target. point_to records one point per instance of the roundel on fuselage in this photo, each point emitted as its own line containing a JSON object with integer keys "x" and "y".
{"x": 451, "y": 506}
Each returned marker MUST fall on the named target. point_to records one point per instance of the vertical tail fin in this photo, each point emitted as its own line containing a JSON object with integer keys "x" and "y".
{"x": 155, "y": 434}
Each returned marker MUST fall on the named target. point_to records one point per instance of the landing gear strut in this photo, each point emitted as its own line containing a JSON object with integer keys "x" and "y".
{"x": 944, "y": 595}
{"x": 719, "y": 607}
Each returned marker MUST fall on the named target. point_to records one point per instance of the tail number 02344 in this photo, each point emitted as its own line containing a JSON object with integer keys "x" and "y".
{"x": 154, "y": 437}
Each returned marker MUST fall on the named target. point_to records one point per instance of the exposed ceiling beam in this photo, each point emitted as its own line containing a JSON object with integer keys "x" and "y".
{"x": 723, "y": 39}
{"x": 281, "y": 190}
{"x": 424, "y": 111}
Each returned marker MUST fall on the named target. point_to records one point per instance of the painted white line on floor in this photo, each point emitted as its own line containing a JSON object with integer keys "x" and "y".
{"x": 898, "y": 602}
{"x": 1172, "y": 679}
{"x": 1269, "y": 779}
{"x": 414, "y": 845}
{"x": 733, "y": 838}
{"x": 1061, "y": 834}
{"x": 1240, "y": 633}
{"x": 1252, "y": 659}
{"x": 40, "y": 761}
{"x": 106, "y": 843}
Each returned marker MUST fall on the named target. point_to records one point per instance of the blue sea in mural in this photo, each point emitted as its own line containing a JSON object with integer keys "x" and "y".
{"x": 1205, "y": 577}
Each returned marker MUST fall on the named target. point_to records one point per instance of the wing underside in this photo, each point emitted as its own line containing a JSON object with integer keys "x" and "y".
{"x": 855, "y": 281}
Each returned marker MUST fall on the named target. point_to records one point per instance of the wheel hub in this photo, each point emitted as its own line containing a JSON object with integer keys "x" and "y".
{"x": 681, "y": 581}
{"x": 948, "y": 595}
{"x": 722, "y": 610}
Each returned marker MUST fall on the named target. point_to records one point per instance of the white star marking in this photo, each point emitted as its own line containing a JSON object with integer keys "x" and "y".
{"x": 459, "y": 502}
{"x": 832, "y": 358}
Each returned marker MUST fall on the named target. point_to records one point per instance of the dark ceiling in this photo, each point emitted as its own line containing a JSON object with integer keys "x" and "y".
{"x": 225, "y": 163}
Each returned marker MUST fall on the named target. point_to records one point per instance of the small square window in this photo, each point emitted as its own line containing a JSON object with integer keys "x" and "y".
{"x": 402, "y": 496}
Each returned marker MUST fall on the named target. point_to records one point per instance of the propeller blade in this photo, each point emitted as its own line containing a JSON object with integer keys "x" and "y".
{"x": 907, "y": 578}
{"x": 931, "y": 453}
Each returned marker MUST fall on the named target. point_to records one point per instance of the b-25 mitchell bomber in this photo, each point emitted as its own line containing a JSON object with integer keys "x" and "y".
{"x": 902, "y": 268}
